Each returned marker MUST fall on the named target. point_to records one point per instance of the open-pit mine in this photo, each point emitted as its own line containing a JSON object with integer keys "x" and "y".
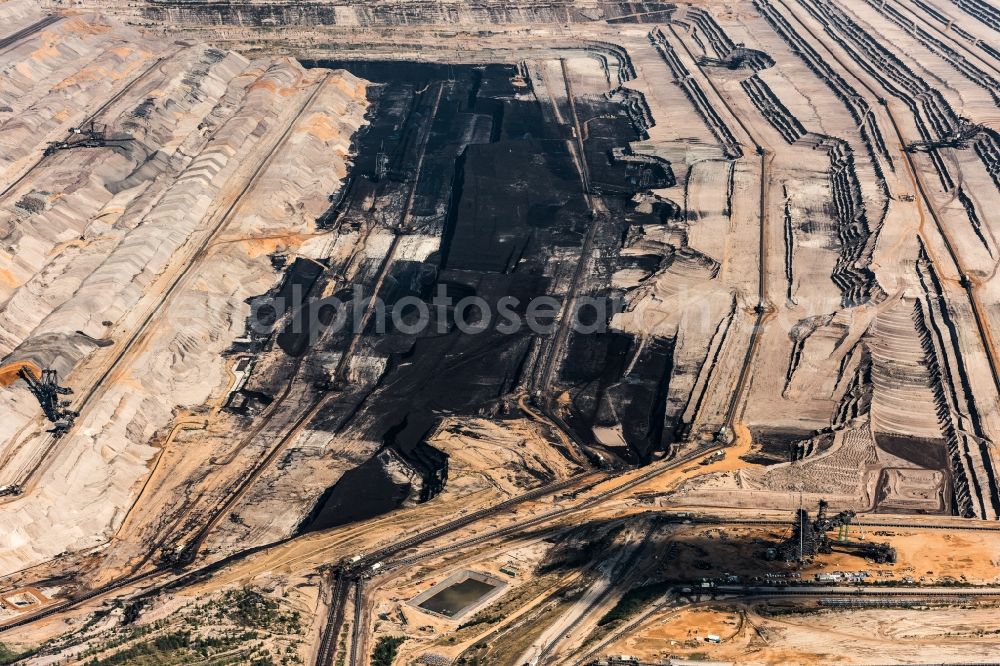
{"x": 505, "y": 332}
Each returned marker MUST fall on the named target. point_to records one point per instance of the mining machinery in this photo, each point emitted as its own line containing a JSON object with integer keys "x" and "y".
{"x": 809, "y": 537}
{"x": 88, "y": 136}
{"x": 733, "y": 60}
{"x": 47, "y": 391}
{"x": 958, "y": 137}
{"x": 382, "y": 164}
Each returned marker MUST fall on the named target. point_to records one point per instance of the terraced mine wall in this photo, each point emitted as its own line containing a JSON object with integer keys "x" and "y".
{"x": 988, "y": 149}
{"x": 374, "y": 14}
{"x": 974, "y": 482}
{"x": 983, "y": 11}
{"x": 969, "y": 467}
{"x": 693, "y": 91}
{"x": 934, "y": 117}
{"x": 772, "y": 109}
{"x": 970, "y": 210}
{"x": 857, "y": 107}
{"x": 855, "y": 103}
{"x": 112, "y": 274}
{"x": 858, "y": 396}
{"x": 978, "y": 9}
{"x": 732, "y": 55}
{"x": 856, "y": 239}
{"x": 634, "y": 103}
{"x": 937, "y": 46}
{"x": 851, "y": 274}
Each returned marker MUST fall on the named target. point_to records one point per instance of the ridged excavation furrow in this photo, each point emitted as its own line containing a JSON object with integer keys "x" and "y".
{"x": 967, "y": 444}
{"x": 772, "y": 109}
{"x": 693, "y": 91}
{"x": 941, "y": 49}
{"x": 982, "y": 11}
{"x": 851, "y": 273}
{"x": 723, "y": 46}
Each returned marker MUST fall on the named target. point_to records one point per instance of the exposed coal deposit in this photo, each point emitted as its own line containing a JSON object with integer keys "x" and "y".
{"x": 473, "y": 156}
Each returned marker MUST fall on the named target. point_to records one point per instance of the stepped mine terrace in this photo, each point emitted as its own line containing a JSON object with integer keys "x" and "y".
{"x": 253, "y": 262}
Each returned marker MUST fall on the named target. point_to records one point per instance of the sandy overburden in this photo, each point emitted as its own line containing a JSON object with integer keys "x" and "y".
{"x": 127, "y": 269}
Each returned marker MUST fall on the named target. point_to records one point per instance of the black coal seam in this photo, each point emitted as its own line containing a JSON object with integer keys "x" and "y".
{"x": 636, "y": 108}
{"x": 970, "y": 211}
{"x": 770, "y": 106}
{"x": 937, "y": 294}
{"x": 942, "y": 50}
{"x": 451, "y": 221}
{"x": 982, "y": 11}
{"x": 789, "y": 246}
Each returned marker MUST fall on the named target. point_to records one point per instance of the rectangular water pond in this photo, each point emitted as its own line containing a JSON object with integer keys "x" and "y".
{"x": 458, "y": 594}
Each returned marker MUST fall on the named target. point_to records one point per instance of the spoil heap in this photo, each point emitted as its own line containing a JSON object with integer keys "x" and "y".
{"x": 126, "y": 266}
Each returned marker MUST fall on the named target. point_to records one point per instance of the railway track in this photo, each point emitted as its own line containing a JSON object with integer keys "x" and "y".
{"x": 718, "y": 520}
{"x": 871, "y": 590}
{"x": 265, "y": 420}
{"x": 763, "y": 309}
{"x": 92, "y": 118}
{"x": 932, "y": 115}
{"x": 672, "y": 607}
{"x": 629, "y": 627}
{"x": 546, "y": 401}
{"x": 202, "y": 250}
{"x": 357, "y": 636}
{"x": 180, "y": 277}
{"x": 331, "y": 630}
{"x": 567, "y": 314}
{"x": 189, "y": 550}
{"x": 616, "y": 577}
{"x": 385, "y": 553}
{"x": 652, "y": 472}
{"x": 343, "y": 585}
{"x": 352, "y": 573}
{"x": 363, "y": 565}
{"x": 12, "y": 39}
{"x": 76, "y": 600}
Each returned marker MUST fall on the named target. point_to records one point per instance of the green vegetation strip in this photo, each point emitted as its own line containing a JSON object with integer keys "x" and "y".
{"x": 632, "y": 602}
{"x": 385, "y": 650}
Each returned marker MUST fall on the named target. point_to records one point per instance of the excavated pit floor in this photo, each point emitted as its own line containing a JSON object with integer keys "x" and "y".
{"x": 498, "y": 186}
